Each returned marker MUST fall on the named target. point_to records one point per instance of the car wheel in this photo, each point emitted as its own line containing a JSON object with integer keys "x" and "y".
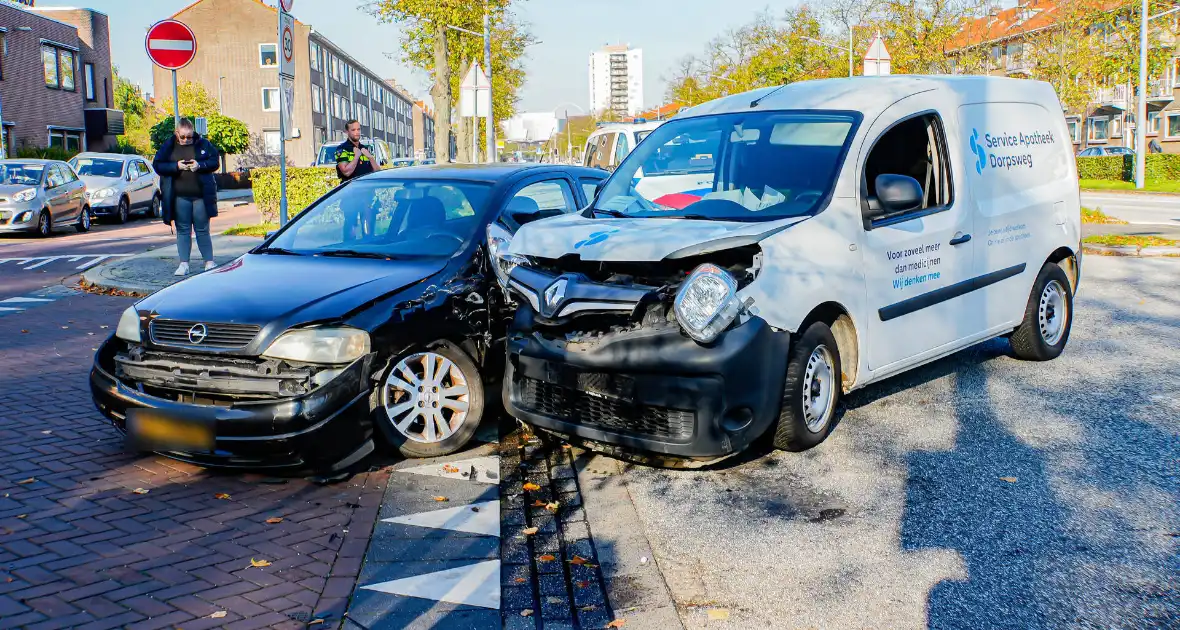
{"x": 157, "y": 209}
{"x": 1048, "y": 317}
{"x": 429, "y": 403}
{"x": 44, "y": 224}
{"x": 124, "y": 211}
{"x": 83, "y": 224}
{"x": 810, "y": 392}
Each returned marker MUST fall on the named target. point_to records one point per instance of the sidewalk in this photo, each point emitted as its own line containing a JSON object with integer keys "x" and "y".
{"x": 152, "y": 270}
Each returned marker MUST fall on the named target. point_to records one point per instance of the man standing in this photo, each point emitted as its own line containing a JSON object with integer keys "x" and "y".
{"x": 353, "y": 159}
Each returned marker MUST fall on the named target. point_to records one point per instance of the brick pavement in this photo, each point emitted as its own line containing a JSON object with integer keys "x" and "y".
{"x": 79, "y": 548}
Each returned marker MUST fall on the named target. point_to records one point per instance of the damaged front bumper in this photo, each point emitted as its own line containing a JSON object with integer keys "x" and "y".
{"x": 265, "y": 415}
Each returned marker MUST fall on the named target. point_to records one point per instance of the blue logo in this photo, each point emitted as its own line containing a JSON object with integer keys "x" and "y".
{"x": 977, "y": 149}
{"x": 595, "y": 238}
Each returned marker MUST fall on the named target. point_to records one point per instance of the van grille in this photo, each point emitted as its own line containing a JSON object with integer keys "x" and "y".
{"x": 175, "y": 332}
{"x": 611, "y": 414}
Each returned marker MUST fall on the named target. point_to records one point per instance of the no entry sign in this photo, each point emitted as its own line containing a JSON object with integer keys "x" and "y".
{"x": 171, "y": 45}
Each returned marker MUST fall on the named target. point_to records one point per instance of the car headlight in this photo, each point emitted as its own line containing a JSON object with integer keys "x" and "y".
{"x": 27, "y": 194}
{"x": 502, "y": 262}
{"x": 128, "y": 329}
{"x": 320, "y": 345}
{"x": 707, "y": 302}
{"x": 103, "y": 193}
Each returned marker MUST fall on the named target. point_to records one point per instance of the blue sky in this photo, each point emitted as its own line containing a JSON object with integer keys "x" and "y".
{"x": 568, "y": 29}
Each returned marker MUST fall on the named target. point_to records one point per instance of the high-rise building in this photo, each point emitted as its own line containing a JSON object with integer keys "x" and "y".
{"x": 616, "y": 80}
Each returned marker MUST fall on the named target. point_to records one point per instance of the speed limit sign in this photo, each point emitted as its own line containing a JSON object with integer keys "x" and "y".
{"x": 286, "y": 5}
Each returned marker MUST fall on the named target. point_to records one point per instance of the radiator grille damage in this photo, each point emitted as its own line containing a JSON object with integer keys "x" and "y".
{"x": 603, "y": 411}
{"x": 175, "y": 332}
{"x": 213, "y": 380}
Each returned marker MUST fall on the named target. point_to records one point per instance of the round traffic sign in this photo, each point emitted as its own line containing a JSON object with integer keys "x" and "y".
{"x": 287, "y": 4}
{"x": 288, "y": 44}
{"x": 171, "y": 45}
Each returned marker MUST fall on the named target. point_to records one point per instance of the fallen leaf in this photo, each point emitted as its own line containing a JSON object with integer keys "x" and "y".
{"x": 9, "y": 580}
{"x": 1008, "y": 479}
{"x": 531, "y": 487}
{"x": 441, "y": 499}
{"x": 449, "y": 468}
{"x": 555, "y": 600}
{"x": 259, "y": 563}
{"x": 518, "y": 580}
{"x": 22, "y": 515}
{"x": 582, "y": 583}
{"x": 527, "y": 612}
{"x": 588, "y": 608}
{"x": 548, "y": 557}
{"x": 529, "y": 531}
{"x": 25, "y": 481}
{"x": 24, "y": 331}
{"x": 552, "y": 507}
{"x": 47, "y": 432}
{"x": 538, "y": 503}
{"x": 566, "y": 446}
{"x": 104, "y": 326}
{"x": 474, "y": 509}
{"x": 223, "y": 496}
{"x": 578, "y": 560}
{"x": 617, "y": 623}
{"x": 315, "y": 621}
{"x": 140, "y": 491}
{"x": 718, "y": 614}
{"x": 219, "y": 614}
{"x": 274, "y": 520}
{"x": 65, "y": 327}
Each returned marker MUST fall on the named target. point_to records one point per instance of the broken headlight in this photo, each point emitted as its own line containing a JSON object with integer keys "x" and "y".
{"x": 502, "y": 262}
{"x": 331, "y": 346}
{"x": 707, "y": 302}
{"x": 128, "y": 329}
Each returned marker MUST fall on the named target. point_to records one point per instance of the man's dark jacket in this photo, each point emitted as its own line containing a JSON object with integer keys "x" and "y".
{"x": 208, "y": 161}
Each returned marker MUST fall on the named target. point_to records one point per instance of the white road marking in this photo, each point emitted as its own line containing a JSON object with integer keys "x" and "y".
{"x": 24, "y": 299}
{"x": 10, "y": 310}
{"x": 487, "y": 469}
{"x": 47, "y": 260}
{"x": 474, "y": 585}
{"x": 485, "y": 521}
{"x": 33, "y": 262}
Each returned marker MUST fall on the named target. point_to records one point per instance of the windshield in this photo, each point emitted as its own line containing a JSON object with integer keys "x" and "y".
{"x": 97, "y": 167}
{"x": 327, "y": 155}
{"x": 389, "y": 218}
{"x": 735, "y": 167}
{"x": 18, "y": 174}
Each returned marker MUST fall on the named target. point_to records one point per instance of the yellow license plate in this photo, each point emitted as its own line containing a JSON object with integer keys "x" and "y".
{"x": 151, "y": 429}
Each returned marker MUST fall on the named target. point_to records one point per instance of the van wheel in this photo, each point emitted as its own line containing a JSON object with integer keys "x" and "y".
{"x": 812, "y": 387}
{"x": 1048, "y": 317}
{"x": 429, "y": 403}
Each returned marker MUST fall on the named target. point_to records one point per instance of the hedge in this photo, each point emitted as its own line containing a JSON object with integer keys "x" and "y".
{"x": 1159, "y": 167}
{"x": 304, "y": 185}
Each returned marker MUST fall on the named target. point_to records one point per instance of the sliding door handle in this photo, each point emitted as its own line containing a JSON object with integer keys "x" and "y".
{"x": 960, "y": 238}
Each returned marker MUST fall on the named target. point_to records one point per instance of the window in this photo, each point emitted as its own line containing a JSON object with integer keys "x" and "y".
{"x": 334, "y": 69}
{"x": 88, "y": 79}
{"x": 1075, "y": 130}
{"x": 270, "y": 99}
{"x": 541, "y": 199}
{"x": 621, "y": 149}
{"x": 65, "y": 139}
{"x": 65, "y": 66}
{"x": 914, "y": 148}
{"x": 268, "y": 56}
{"x": 1116, "y": 127}
{"x": 49, "y": 60}
{"x": 3, "y": 52}
{"x": 271, "y": 141}
{"x": 1099, "y": 129}
{"x": 1173, "y": 130}
{"x": 588, "y": 187}
{"x": 1153, "y": 123}
{"x": 315, "y": 56}
{"x": 142, "y": 168}
{"x": 317, "y": 99}
{"x": 55, "y": 177}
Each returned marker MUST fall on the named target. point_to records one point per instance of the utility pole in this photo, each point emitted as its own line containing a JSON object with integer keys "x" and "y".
{"x": 487, "y": 66}
{"x": 220, "y": 102}
{"x": 1141, "y": 111}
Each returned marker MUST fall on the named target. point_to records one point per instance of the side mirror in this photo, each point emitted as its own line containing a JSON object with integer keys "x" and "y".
{"x": 898, "y": 193}
{"x": 271, "y": 233}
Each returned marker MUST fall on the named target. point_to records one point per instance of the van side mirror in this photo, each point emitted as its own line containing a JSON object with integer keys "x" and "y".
{"x": 898, "y": 193}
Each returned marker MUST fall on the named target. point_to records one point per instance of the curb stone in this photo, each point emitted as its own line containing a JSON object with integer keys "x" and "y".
{"x": 1128, "y": 250}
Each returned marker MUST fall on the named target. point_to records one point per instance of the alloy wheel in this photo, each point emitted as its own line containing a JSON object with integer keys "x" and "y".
{"x": 43, "y": 226}
{"x": 425, "y": 397}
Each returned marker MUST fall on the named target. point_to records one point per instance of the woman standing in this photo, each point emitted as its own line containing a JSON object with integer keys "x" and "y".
{"x": 186, "y": 164}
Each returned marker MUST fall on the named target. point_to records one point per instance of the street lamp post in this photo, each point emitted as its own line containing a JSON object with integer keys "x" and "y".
{"x": 1141, "y": 108}
{"x": 721, "y": 78}
{"x": 569, "y": 135}
{"x": 490, "y": 128}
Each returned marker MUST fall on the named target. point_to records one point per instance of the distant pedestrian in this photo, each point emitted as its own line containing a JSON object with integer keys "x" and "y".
{"x": 186, "y": 164}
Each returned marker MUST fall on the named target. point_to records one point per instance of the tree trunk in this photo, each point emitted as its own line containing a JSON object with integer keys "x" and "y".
{"x": 463, "y": 134}
{"x": 441, "y": 95}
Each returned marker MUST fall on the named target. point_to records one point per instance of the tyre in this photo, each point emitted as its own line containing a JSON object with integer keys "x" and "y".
{"x": 44, "y": 224}
{"x": 156, "y": 210}
{"x": 84, "y": 220}
{"x": 430, "y": 402}
{"x": 810, "y": 391}
{"x": 124, "y": 211}
{"x": 1048, "y": 317}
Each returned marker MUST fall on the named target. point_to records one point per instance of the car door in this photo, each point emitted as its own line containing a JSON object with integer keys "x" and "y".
{"x": 58, "y": 193}
{"x": 918, "y": 262}
{"x": 141, "y": 184}
{"x": 77, "y": 189}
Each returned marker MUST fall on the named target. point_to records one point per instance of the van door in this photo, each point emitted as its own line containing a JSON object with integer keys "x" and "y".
{"x": 918, "y": 261}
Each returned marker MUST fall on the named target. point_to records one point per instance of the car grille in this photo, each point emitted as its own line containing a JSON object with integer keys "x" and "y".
{"x": 175, "y": 332}
{"x": 612, "y": 414}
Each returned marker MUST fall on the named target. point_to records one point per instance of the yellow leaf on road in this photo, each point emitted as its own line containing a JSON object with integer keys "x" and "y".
{"x": 140, "y": 491}
{"x": 223, "y": 496}
{"x": 219, "y": 614}
{"x": 531, "y": 487}
{"x": 718, "y": 614}
{"x": 548, "y": 557}
{"x": 441, "y": 499}
{"x": 538, "y": 503}
{"x": 259, "y": 563}
{"x": 552, "y": 507}
{"x": 617, "y": 623}
{"x": 589, "y": 608}
{"x": 274, "y": 520}
{"x": 527, "y": 612}
{"x": 1008, "y": 479}
{"x": 521, "y": 580}
{"x": 25, "y": 481}
{"x": 529, "y": 531}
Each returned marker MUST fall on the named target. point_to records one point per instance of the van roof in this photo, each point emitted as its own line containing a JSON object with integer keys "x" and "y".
{"x": 872, "y": 95}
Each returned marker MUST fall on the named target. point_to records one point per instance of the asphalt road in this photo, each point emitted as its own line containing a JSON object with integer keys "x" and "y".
{"x": 1155, "y": 211}
{"x": 976, "y": 492}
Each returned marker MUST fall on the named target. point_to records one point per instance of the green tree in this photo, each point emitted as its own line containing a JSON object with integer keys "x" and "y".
{"x": 194, "y": 101}
{"x": 138, "y": 116}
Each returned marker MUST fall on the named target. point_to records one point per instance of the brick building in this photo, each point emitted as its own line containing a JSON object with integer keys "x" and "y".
{"x": 423, "y": 130}
{"x": 56, "y": 82}
{"x": 237, "y": 61}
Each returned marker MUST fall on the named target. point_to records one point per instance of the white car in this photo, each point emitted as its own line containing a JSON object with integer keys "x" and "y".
{"x": 848, "y": 230}
{"x": 607, "y": 146}
{"x": 118, "y": 185}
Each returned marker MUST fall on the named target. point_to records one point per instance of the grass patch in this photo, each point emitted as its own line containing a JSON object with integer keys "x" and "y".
{"x": 256, "y": 229}
{"x": 1129, "y": 240}
{"x": 1163, "y": 186}
{"x": 1096, "y": 215}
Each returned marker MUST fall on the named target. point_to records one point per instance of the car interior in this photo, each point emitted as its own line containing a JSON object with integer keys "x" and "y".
{"x": 912, "y": 148}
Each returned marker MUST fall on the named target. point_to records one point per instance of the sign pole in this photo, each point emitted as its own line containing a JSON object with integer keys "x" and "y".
{"x": 282, "y": 139}
{"x": 175, "y": 103}
{"x": 490, "y": 130}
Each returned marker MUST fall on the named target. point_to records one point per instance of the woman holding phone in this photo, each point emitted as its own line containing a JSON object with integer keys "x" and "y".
{"x": 186, "y": 163}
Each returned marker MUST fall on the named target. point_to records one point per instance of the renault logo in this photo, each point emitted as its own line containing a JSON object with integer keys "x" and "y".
{"x": 197, "y": 334}
{"x": 554, "y": 295}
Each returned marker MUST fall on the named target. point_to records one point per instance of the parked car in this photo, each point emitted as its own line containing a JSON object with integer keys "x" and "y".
{"x": 842, "y": 236}
{"x": 381, "y": 152}
{"x": 392, "y": 331}
{"x": 118, "y": 184}
{"x": 40, "y": 196}
{"x": 1100, "y": 151}
{"x": 607, "y": 146}
{"x": 403, "y": 162}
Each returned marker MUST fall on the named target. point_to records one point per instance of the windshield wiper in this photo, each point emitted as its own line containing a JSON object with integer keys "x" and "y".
{"x": 277, "y": 250}
{"x": 612, "y": 213}
{"x": 352, "y": 253}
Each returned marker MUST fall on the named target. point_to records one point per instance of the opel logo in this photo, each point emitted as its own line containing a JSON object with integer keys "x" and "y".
{"x": 555, "y": 294}
{"x": 197, "y": 334}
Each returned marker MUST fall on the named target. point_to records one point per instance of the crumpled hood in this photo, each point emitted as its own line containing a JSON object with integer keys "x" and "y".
{"x": 616, "y": 239}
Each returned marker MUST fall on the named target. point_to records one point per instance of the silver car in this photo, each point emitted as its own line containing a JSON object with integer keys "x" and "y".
{"x": 40, "y": 196}
{"x": 118, "y": 184}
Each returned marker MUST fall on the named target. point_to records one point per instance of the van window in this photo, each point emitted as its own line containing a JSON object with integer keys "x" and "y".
{"x": 621, "y": 149}
{"x": 916, "y": 148}
{"x": 599, "y": 148}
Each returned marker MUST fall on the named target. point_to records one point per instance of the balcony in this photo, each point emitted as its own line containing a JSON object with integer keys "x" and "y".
{"x": 1113, "y": 96}
{"x": 1117, "y": 96}
{"x": 1018, "y": 65}
{"x": 1160, "y": 89}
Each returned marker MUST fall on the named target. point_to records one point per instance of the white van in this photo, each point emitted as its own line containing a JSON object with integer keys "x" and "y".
{"x": 608, "y": 145}
{"x": 851, "y": 229}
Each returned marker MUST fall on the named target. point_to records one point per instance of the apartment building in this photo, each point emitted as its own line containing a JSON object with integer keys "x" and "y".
{"x": 237, "y": 60}
{"x": 616, "y": 80}
{"x": 56, "y": 82}
{"x": 423, "y": 131}
{"x": 1108, "y": 120}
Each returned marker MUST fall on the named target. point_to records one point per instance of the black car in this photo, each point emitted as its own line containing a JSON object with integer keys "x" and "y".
{"x": 374, "y": 311}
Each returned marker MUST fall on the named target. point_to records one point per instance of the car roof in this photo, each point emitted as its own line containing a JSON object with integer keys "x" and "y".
{"x": 112, "y": 156}
{"x": 485, "y": 173}
{"x": 30, "y": 161}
